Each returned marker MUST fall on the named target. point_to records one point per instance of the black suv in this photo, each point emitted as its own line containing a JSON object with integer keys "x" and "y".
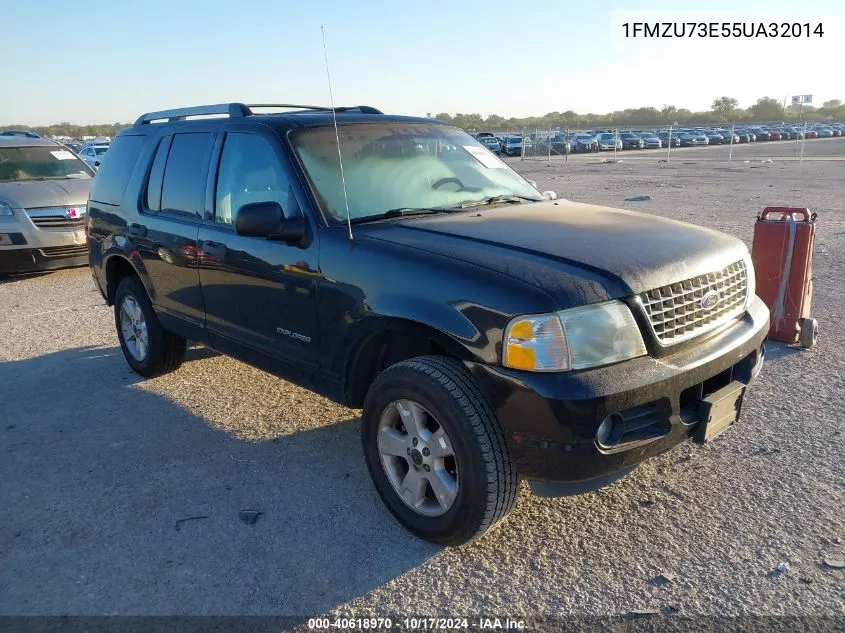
{"x": 396, "y": 265}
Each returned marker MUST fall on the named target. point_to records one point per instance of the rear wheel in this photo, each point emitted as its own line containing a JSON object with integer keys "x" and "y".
{"x": 148, "y": 348}
{"x": 435, "y": 451}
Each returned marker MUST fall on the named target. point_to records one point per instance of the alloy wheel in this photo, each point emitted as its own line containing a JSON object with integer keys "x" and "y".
{"x": 418, "y": 458}
{"x": 134, "y": 328}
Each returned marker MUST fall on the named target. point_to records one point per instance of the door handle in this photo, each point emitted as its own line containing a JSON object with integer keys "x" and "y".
{"x": 214, "y": 250}
{"x": 137, "y": 230}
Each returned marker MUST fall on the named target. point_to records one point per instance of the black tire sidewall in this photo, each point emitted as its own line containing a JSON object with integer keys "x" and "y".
{"x": 130, "y": 286}
{"x": 467, "y": 512}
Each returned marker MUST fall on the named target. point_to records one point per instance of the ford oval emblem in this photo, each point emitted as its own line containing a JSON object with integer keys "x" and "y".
{"x": 709, "y": 300}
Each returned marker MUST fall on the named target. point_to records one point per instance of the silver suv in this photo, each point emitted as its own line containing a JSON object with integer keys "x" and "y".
{"x": 43, "y": 196}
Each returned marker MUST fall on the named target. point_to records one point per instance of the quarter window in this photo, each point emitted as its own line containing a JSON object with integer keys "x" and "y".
{"x": 249, "y": 172}
{"x": 117, "y": 168}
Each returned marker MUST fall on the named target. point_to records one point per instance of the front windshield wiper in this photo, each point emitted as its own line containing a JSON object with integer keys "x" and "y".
{"x": 398, "y": 213}
{"x": 500, "y": 198}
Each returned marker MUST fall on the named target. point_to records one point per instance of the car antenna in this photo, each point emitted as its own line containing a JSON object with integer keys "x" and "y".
{"x": 336, "y": 135}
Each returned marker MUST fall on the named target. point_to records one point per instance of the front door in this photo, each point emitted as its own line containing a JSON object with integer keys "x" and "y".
{"x": 256, "y": 291}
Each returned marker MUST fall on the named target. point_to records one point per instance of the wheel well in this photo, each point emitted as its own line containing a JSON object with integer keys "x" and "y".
{"x": 396, "y": 343}
{"x": 116, "y": 269}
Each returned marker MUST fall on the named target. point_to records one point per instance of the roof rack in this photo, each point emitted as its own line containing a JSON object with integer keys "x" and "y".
{"x": 363, "y": 109}
{"x": 238, "y": 110}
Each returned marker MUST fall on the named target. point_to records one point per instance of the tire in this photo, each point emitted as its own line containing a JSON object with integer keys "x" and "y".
{"x": 165, "y": 351}
{"x": 485, "y": 480}
{"x": 809, "y": 333}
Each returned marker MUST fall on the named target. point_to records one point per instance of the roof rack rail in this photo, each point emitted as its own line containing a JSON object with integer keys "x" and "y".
{"x": 238, "y": 110}
{"x": 234, "y": 110}
{"x": 363, "y": 109}
{"x": 285, "y": 105}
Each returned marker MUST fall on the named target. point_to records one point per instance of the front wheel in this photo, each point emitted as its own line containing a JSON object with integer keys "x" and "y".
{"x": 436, "y": 452}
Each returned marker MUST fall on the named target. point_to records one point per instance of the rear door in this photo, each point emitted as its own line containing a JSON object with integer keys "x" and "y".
{"x": 257, "y": 292}
{"x": 166, "y": 233}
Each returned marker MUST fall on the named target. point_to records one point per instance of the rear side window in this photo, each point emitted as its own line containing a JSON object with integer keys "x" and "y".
{"x": 116, "y": 169}
{"x": 184, "y": 174}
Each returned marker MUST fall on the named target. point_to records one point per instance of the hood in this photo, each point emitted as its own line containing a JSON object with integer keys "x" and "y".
{"x": 579, "y": 253}
{"x": 33, "y": 194}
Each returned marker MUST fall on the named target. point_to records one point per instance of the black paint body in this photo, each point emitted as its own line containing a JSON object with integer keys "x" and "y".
{"x": 308, "y": 311}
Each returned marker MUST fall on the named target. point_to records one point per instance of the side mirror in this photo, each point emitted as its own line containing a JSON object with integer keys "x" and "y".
{"x": 96, "y": 164}
{"x": 292, "y": 230}
{"x": 259, "y": 219}
{"x": 265, "y": 219}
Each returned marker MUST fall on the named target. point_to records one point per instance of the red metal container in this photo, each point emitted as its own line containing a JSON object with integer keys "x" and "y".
{"x": 783, "y": 260}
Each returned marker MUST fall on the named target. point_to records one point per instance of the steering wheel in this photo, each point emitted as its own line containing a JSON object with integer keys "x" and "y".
{"x": 446, "y": 181}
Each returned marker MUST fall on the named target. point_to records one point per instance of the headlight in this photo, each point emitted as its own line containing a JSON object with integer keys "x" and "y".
{"x": 578, "y": 338}
{"x": 5, "y": 209}
{"x": 751, "y": 281}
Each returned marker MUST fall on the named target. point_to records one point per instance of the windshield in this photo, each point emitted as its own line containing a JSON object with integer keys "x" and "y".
{"x": 391, "y": 166}
{"x": 607, "y": 137}
{"x": 40, "y": 162}
{"x": 99, "y": 151}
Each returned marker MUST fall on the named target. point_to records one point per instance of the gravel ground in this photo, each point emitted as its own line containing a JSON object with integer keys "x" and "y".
{"x": 122, "y": 496}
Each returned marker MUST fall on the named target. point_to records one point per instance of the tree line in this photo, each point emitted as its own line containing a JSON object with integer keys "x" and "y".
{"x": 70, "y": 129}
{"x": 723, "y": 111}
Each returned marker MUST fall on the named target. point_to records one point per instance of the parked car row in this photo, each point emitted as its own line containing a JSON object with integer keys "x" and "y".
{"x": 91, "y": 151}
{"x": 608, "y": 139}
{"x": 509, "y": 145}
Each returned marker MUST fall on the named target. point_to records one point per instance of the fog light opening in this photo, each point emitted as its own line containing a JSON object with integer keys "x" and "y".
{"x": 610, "y": 430}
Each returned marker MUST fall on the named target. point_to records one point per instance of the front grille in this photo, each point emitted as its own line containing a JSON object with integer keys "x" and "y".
{"x": 675, "y": 311}
{"x": 64, "y": 251}
{"x": 57, "y": 217}
{"x": 58, "y": 223}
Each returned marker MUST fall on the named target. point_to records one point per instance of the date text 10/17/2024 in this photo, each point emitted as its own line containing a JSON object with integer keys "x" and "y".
{"x": 418, "y": 624}
{"x": 722, "y": 29}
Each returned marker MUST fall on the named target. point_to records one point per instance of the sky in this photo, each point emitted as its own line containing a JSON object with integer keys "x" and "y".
{"x": 108, "y": 61}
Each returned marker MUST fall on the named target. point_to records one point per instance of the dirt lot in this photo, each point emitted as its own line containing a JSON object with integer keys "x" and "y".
{"x": 122, "y": 496}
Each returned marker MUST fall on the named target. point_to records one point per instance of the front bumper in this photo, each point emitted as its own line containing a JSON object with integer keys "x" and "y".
{"x": 28, "y": 248}
{"x": 550, "y": 420}
{"x": 26, "y": 260}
